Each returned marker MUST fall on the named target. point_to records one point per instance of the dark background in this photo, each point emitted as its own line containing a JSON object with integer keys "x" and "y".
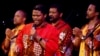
{"x": 74, "y": 12}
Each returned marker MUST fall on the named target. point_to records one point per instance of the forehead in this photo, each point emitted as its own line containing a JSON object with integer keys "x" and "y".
{"x": 36, "y": 12}
{"x": 19, "y": 13}
{"x": 53, "y": 9}
{"x": 91, "y": 6}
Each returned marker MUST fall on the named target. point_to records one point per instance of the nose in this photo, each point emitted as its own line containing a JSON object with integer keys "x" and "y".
{"x": 14, "y": 18}
{"x": 35, "y": 17}
{"x": 87, "y": 11}
{"x": 50, "y": 14}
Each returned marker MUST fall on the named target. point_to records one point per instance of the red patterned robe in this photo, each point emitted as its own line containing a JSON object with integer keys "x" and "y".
{"x": 47, "y": 32}
{"x": 65, "y": 43}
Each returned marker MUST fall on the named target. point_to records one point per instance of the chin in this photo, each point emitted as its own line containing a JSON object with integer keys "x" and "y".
{"x": 36, "y": 23}
{"x": 87, "y": 17}
{"x": 15, "y": 23}
{"x": 51, "y": 19}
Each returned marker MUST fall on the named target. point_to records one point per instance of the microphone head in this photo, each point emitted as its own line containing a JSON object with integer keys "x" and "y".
{"x": 34, "y": 26}
{"x": 31, "y": 38}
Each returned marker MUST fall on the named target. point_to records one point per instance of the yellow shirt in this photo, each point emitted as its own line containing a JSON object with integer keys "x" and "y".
{"x": 16, "y": 31}
{"x": 83, "y": 51}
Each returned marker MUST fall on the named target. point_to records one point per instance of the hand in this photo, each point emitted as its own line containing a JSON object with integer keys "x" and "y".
{"x": 96, "y": 42}
{"x": 88, "y": 42}
{"x": 16, "y": 50}
{"x": 76, "y": 42}
{"x": 77, "y": 32}
{"x": 33, "y": 32}
{"x": 34, "y": 35}
{"x": 9, "y": 33}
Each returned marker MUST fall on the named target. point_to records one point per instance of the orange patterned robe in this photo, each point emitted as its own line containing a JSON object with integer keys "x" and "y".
{"x": 84, "y": 50}
{"x": 16, "y": 30}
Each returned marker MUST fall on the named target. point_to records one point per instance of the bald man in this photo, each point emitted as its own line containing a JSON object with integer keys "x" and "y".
{"x": 9, "y": 42}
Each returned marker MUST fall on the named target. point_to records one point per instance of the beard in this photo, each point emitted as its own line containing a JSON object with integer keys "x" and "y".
{"x": 89, "y": 17}
{"x": 37, "y": 22}
{"x": 53, "y": 20}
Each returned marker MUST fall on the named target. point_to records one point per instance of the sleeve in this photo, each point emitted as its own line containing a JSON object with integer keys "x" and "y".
{"x": 96, "y": 42}
{"x": 68, "y": 35}
{"x": 19, "y": 42}
{"x": 52, "y": 43}
{"x": 6, "y": 44}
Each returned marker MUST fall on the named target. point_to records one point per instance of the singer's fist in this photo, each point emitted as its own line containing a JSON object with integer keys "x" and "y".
{"x": 33, "y": 32}
{"x": 77, "y": 32}
{"x": 88, "y": 41}
{"x": 16, "y": 50}
{"x": 9, "y": 33}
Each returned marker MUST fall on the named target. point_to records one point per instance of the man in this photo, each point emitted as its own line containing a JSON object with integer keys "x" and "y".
{"x": 89, "y": 36}
{"x": 65, "y": 45}
{"x": 42, "y": 36}
{"x": 10, "y": 40}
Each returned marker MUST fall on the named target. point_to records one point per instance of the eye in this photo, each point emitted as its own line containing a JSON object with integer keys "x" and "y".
{"x": 89, "y": 9}
{"x": 33, "y": 15}
{"x": 38, "y": 15}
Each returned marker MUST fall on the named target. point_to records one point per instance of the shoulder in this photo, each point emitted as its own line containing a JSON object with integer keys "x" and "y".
{"x": 30, "y": 24}
{"x": 66, "y": 26}
{"x": 84, "y": 27}
{"x": 51, "y": 27}
{"x": 27, "y": 26}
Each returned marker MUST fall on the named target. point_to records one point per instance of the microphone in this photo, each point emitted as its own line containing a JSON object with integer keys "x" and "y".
{"x": 90, "y": 33}
{"x": 31, "y": 37}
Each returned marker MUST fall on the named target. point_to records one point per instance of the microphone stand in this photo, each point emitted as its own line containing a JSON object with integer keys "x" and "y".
{"x": 91, "y": 43}
{"x": 90, "y": 34}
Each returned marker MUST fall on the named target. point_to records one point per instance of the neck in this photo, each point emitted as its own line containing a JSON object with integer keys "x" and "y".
{"x": 37, "y": 26}
{"x": 19, "y": 24}
{"x": 94, "y": 20}
{"x": 55, "y": 21}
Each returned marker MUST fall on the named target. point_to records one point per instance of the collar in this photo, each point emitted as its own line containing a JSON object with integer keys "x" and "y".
{"x": 42, "y": 25}
{"x": 20, "y": 27}
{"x": 59, "y": 23}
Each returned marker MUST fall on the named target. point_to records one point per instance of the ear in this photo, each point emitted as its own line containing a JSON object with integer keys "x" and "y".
{"x": 45, "y": 15}
{"x": 61, "y": 14}
{"x": 97, "y": 13}
{"x": 24, "y": 19}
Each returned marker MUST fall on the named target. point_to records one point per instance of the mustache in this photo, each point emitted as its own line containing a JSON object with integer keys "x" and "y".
{"x": 35, "y": 19}
{"x": 50, "y": 17}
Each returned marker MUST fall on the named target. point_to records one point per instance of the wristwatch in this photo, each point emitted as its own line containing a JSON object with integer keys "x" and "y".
{"x": 83, "y": 37}
{"x": 40, "y": 39}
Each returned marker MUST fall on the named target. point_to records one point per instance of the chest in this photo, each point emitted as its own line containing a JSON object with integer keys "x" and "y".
{"x": 43, "y": 32}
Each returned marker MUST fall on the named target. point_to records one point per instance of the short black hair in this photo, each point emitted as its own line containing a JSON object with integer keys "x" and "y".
{"x": 57, "y": 6}
{"x": 24, "y": 13}
{"x": 97, "y": 7}
{"x": 41, "y": 8}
